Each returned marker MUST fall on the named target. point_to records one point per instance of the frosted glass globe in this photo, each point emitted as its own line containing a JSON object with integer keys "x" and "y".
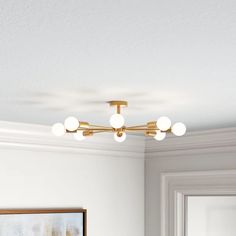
{"x": 58, "y": 129}
{"x": 120, "y": 139}
{"x": 71, "y": 123}
{"x": 163, "y": 123}
{"x": 160, "y": 135}
{"x": 179, "y": 129}
{"x": 117, "y": 121}
{"x": 79, "y": 135}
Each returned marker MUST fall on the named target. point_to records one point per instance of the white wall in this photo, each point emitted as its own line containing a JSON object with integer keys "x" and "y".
{"x": 198, "y": 151}
{"x": 40, "y": 171}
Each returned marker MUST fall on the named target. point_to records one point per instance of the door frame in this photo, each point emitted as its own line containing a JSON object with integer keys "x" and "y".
{"x": 175, "y": 187}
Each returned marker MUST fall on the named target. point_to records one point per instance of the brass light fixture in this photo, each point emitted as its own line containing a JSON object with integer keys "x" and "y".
{"x": 156, "y": 129}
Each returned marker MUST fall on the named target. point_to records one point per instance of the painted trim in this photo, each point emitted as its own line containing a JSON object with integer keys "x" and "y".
{"x": 194, "y": 143}
{"x": 176, "y": 186}
{"x": 30, "y": 137}
{"x": 17, "y": 136}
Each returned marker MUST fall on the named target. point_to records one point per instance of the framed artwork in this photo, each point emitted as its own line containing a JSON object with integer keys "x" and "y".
{"x": 43, "y": 222}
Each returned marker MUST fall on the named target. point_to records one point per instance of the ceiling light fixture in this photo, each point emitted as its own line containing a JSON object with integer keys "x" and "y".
{"x": 156, "y": 129}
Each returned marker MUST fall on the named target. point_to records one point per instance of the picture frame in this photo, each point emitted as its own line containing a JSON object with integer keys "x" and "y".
{"x": 49, "y": 222}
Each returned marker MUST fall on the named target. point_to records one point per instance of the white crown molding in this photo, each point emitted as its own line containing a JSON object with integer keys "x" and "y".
{"x": 194, "y": 143}
{"x": 30, "y": 137}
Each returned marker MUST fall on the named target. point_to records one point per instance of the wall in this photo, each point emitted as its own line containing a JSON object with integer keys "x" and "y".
{"x": 197, "y": 151}
{"x": 38, "y": 170}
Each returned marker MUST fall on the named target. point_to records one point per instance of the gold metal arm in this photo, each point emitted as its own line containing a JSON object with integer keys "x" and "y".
{"x": 149, "y": 129}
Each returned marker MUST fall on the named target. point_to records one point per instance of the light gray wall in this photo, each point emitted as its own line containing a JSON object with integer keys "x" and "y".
{"x": 39, "y": 171}
{"x": 107, "y": 178}
{"x": 197, "y": 152}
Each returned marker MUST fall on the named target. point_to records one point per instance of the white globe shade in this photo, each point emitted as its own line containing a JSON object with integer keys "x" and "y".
{"x": 117, "y": 121}
{"x": 163, "y": 123}
{"x": 160, "y": 135}
{"x": 79, "y": 135}
{"x": 179, "y": 129}
{"x": 58, "y": 129}
{"x": 71, "y": 123}
{"x": 120, "y": 139}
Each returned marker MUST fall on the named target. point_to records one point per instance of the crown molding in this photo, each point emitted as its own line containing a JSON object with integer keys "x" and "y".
{"x": 39, "y": 137}
{"x": 194, "y": 143}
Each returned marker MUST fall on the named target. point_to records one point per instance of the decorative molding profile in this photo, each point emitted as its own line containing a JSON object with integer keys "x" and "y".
{"x": 30, "y": 137}
{"x": 176, "y": 186}
{"x": 198, "y": 142}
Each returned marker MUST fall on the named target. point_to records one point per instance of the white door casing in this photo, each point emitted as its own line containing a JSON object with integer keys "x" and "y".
{"x": 176, "y": 186}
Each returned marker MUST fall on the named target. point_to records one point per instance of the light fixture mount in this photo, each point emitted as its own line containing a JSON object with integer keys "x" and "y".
{"x": 118, "y": 103}
{"x": 156, "y": 129}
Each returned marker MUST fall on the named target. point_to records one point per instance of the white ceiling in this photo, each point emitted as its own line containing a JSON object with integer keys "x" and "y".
{"x": 67, "y": 57}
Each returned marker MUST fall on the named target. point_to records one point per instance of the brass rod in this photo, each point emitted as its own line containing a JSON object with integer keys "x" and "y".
{"x": 90, "y": 129}
{"x": 118, "y": 109}
{"x": 109, "y": 130}
{"x": 137, "y": 126}
{"x": 102, "y": 131}
{"x": 124, "y": 129}
{"x": 146, "y": 129}
{"x": 98, "y": 129}
{"x": 141, "y": 129}
{"x": 99, "y": 126}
